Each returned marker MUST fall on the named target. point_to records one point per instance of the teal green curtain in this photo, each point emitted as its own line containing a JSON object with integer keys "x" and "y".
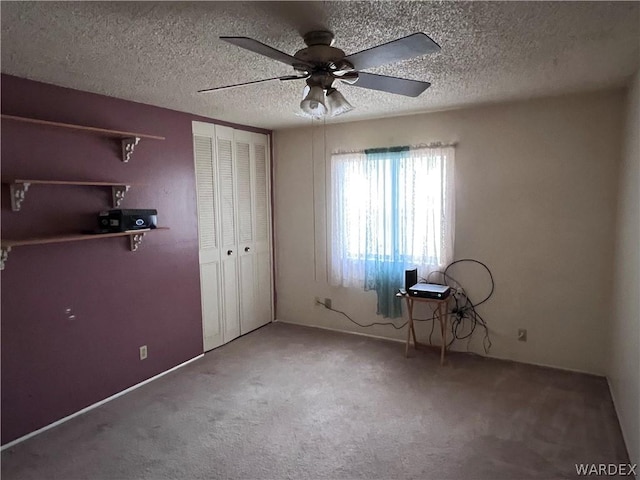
{"x": 385, "y": 261}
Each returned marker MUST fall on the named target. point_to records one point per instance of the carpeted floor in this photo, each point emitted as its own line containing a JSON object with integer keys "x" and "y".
{"x": 294, "y": 402}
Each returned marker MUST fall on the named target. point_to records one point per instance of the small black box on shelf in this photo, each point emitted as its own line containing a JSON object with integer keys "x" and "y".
{"x": 122, "y": 220}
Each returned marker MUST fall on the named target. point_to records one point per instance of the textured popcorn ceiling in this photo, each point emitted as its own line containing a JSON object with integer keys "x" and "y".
{"x": 161, "y": 53}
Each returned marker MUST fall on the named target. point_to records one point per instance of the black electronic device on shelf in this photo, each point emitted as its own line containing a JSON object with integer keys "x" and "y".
{"x": 118, "y": 220}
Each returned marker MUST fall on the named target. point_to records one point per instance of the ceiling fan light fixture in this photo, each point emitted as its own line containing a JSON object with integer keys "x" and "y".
{"x": 337, "y": 103}
{"x": 313, "y": 103}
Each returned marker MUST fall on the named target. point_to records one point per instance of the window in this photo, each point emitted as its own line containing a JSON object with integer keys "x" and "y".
{"x": 392, "y": 209}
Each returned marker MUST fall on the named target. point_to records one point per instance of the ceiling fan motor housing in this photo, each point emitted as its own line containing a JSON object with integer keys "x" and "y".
{"x": 320, "y": 55}
{"x": 318, "y": 37}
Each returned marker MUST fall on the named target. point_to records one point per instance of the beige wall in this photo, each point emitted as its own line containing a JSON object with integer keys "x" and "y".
{"x": 536, "y": 198}
{"x": 624, "y": 367}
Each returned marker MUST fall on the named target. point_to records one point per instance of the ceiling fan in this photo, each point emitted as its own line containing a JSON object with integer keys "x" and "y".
{"x": 321, "y": 64}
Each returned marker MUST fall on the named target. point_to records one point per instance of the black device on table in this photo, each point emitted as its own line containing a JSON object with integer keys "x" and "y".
{"x": 422, "y": 290}
{"x": 430, "y": 290}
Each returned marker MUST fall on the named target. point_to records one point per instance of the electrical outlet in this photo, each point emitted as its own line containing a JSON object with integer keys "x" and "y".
{"x": 522, "y": 334}
{"x": 143, "y": 352}
{"x": 69, "y": 313}
{"x": 327, "y": 303}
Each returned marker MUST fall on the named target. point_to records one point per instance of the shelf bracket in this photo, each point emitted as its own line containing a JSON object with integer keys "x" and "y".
{"x": 4, "y": 255}
{"x": 128, "y": 145}
{"x": 18, "y": 193}
{"x": 136, "y": 240}
{"x": 117, "y": 194}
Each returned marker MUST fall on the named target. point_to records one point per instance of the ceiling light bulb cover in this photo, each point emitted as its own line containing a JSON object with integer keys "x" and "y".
{"x": 337, "y": 103}
{"x": 348, "y": 77}
{"x": 313, "y": 103}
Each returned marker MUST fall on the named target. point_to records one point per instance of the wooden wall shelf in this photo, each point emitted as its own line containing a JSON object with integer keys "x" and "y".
{"x": 129, "y": 140}
{"x": 135, "y": 239}
{"x": 19, "y": 189}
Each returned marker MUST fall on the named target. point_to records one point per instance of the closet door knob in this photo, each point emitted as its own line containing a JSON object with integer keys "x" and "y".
{"x": 246, "y": 249}
{"x": 229, "y": 252}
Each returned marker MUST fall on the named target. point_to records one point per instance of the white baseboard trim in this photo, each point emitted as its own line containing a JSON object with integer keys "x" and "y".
{"x": 95, "y": 405}
{"x": 378, "y": 337}
{"x": 494, "y": 357}
{"x": 622, "y": 429}
{"x": 545, "y": 365}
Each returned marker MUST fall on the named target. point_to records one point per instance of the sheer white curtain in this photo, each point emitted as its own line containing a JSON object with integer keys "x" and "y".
{"x": 391, "y": 206}
{"x": 350, "y": 197}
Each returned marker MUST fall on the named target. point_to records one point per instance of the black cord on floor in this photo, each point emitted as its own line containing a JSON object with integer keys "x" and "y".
{"x": 374, "y": 323}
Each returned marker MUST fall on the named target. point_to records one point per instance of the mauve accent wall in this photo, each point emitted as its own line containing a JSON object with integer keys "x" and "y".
{"x": 52, "y": 365}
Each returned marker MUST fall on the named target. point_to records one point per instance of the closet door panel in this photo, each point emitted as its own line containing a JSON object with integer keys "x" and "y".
{"x": 248, "y": 282}
{"x": 261, "y": 191}
{"x": 228, "y": 231}
{"x": 263, "y": 301}
{"x": 262, "y": 239}
{"x": 231, "y": 307}
{"x": 245, "y": 174}
{"x": 208, "y": 235}
{"x": 210, "y": 289}
{"x": 227, "y": 191}
{"x": 245, "y": 194}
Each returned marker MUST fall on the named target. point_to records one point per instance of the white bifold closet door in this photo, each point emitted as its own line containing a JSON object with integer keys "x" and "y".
{"x": 262, "y": 231}
{"x": 228, "y": 232}
{"x": 253, "y": 229}
{"x": 232, "y": 177}
{"x": 208, "y": 234}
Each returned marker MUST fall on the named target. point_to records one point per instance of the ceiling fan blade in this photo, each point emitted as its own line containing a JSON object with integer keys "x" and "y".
{"x": 282, "y": 79}
{"x": 401, "y": 49}
{"x": 258, "y": 47}
{"x": 400, "y": 86}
